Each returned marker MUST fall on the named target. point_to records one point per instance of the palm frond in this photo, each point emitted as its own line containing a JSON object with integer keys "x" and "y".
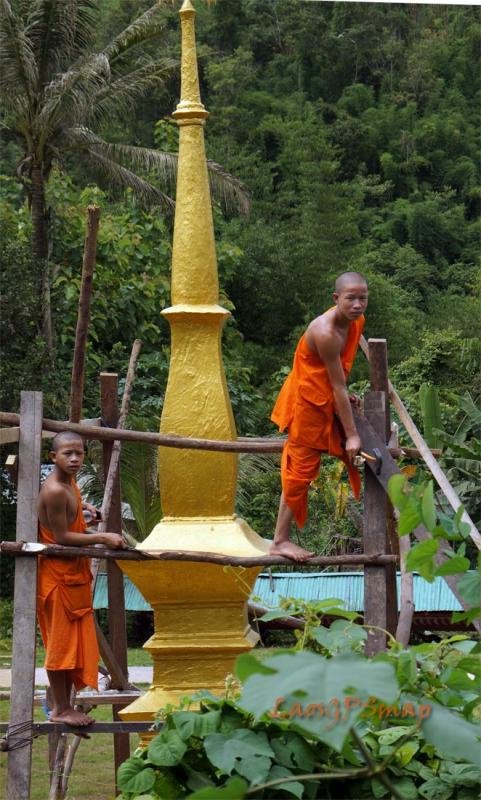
{"x": 60, "y": 32}
{"x": 67, "y": 97}
{"x": 116, "y": 98}
{"x": 229, "y": 191}
{"x": 18, "y": 68}
{"x": 140, "y": 488}
{"x": 148, "y": 25}
{"x": 142, "y": 158}
{"x": 120, "y": 178}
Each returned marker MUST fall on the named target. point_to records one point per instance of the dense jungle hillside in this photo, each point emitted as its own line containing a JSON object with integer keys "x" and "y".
{"x": 355, "y": 128}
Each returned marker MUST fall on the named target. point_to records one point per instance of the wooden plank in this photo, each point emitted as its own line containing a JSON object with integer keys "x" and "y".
{"x": 25, "y": 600}
{"x": 374, "y": 535}
{"x": 115, "y": 577}
{"x": 379, "y": 377}
{"x": 110, "y": 697}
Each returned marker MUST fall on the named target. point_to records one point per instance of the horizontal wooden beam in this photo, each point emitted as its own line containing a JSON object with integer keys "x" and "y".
{"x": 41, "y": 728}
{"x": 243, "y": 444}
{"x": 131, "y": 554}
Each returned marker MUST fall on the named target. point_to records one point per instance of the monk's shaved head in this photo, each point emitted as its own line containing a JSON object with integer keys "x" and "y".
{"x": 63, "y": 437}
{"x": 349, "y": 279}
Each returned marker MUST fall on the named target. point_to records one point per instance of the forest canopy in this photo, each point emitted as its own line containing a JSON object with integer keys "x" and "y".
{"x": 354, "y": 127}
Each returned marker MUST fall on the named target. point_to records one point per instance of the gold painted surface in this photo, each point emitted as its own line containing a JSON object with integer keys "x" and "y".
{"x": 200, "y": 609}
{"x": 193, "y": 482}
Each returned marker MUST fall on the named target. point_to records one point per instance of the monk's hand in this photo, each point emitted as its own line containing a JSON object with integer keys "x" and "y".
{"x": 114, "y": 541}
{"x": 352, "y": 447}
{"x": 355, "y": 401}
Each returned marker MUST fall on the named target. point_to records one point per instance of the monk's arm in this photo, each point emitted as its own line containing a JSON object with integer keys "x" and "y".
{"x": 55, "y": 506}
{"x": 329, "y": 352}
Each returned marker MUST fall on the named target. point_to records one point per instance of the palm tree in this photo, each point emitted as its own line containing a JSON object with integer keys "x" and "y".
{"x": 56, "y": 91}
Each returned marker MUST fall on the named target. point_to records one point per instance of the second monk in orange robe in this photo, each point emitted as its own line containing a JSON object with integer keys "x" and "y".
{"x": 313, "y": 405}
{"x": 64, "y": 606}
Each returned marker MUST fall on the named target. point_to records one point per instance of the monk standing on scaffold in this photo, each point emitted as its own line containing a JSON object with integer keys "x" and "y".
{"x": 315, "y": 407}
{"x": 64, "y": 595}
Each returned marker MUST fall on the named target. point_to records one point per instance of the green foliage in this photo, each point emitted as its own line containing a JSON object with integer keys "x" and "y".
{"x": 431, "y": 412}
{"x": 462, "y": 456}
{"x": 308, "y": 725}
{"x": 417, "y": 505}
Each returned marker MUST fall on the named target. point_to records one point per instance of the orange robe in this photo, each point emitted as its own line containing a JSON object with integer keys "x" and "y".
{"x": 64, "y": 610}
{"x": 305, "y": 406}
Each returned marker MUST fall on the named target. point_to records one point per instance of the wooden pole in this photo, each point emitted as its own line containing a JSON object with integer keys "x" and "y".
{"x": 117, "y": 421}
{"x": 94, "y": 551}
{"x": 113, "y": 522}
{"x": 374, "y": 529}
{"x": 83, "y": 316}
{"x": 379, "y": 377}
{"x": 25, "y": 599}
{"x": 244, "y": 444}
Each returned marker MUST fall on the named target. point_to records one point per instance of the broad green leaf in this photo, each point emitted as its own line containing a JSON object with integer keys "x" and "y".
{"x": 197, "y": 780}
{"x": 406, "y": 787}
{"x": 247, "y": 664}
{"x": 453, "y": 735}
{"x": 435, "y": 789}
{"x": 396, "y": 492}
{"x": 394, "y": 733}
{"x": 421, "y": 553}
{"x": 292, "y": 750}
{"x": 276, "y": 613}
{"x": 453, "y": 566}
{"x": 469, "y": 587}
{"x": 409, "y": 518}
{"x": 194, "y": 723}
{"x": 459, "y": 774}
{"x": 167, "y": 749}
{"x": 471, "y": 664}
{"x": 292, "y": 787}
{"x": 378, "y": 788}
{"x": 428, "y": 512}
{"x": 254, "y": 768}
{"x": 314, "y": 690}
{"x": 406, "y": 753}
{"x": 339, "y": 637}
{"x": 167, "y": 786}
{"x": 134, "y": 776}
{"x": 234, "y": 789}
{"x": 224, "y": 752}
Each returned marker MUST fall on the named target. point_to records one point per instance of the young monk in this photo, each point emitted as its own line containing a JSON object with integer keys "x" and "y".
{"x": 315, "y": 407}
{"x": 64, "y": 606}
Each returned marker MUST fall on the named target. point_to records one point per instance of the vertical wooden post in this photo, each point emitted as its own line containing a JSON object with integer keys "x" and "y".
{"x": 115, "y": 578}
{"x": 379, "y": 376}
{"x": 83, "y": 316}
{"x": 25, "y": 598}
{"x": 374, "y": 528}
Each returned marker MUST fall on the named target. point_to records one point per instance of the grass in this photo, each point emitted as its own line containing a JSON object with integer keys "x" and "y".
{"x": 137, "y": 657}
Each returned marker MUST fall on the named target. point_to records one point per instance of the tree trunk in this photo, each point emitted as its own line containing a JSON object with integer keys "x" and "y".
{"x": 40, "y": 249}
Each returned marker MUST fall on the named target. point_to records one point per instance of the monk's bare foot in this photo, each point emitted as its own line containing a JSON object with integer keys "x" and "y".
{"x": 70, "y": 716}
{"x": 288, "y": 549}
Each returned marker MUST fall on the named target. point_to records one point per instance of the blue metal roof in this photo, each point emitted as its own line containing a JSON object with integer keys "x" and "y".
{"x": 268, "y": 590}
